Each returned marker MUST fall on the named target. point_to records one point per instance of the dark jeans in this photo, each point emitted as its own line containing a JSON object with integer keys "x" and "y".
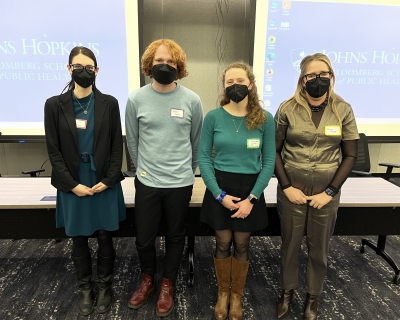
{"x": 152, "y": 204}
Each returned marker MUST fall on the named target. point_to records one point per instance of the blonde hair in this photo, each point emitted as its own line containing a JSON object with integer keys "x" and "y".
{"x": 256, "y": 116}
{"x": 299, "y": 97}
{"x": 174, "y": 49}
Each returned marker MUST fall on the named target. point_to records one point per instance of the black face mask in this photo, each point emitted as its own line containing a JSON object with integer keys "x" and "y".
{"x": 318, "y": 88}
{"x": 83, "y": 78}
{"x": 163, "y": 73}
{"x": 237, "y": 92}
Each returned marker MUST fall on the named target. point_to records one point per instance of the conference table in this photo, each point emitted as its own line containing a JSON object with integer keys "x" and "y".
{"x": 368, "y": 206}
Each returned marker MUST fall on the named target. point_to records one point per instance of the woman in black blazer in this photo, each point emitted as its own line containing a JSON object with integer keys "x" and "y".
{"x": 84, "y": 143}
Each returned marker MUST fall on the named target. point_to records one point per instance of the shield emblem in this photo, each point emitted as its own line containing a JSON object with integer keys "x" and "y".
{"x": 297, "y": 55}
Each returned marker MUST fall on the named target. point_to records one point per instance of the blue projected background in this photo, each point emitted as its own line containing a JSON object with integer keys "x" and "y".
{"x": 362, "y": 42}
{"x": 35, "y": 44}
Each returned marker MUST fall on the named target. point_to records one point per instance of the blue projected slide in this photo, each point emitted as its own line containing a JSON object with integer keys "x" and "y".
{"x": 362, "y": 42}
{"x": 35, "y": 41}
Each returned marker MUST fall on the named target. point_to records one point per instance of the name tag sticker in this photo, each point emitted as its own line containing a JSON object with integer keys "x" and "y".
{"x": 176, "y": 113}
{"x": 253, "y": 143}
{"x": 81, "y": 123}
{"x": 333, "y": 131}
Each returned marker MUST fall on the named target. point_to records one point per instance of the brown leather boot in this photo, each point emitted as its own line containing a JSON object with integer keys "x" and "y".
{"x": 238, "y": 274}
{"x": 165, "y": 303}
{"x": 223, "y": 273}
{"x": 311, "y": 307}
{"x": 283, "y": 307}
{"x": 139, "y": 297}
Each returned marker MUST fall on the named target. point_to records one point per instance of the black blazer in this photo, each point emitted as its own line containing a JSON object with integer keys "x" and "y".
{"x": 62, "y": 140}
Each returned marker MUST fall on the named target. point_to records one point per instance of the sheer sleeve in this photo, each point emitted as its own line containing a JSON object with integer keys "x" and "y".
{"x": 349, "y": 157}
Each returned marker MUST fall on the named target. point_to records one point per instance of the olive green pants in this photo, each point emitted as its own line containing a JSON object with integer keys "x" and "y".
{"x": 299, "y": 220}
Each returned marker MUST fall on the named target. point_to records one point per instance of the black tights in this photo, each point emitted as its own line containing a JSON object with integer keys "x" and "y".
{"x": 241, "y": 242}
{"x": 80, "y": 247}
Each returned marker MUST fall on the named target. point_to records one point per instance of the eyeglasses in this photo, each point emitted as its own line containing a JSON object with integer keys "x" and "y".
{"x": 312, "y": 76}
{"x": 80, "y": 67}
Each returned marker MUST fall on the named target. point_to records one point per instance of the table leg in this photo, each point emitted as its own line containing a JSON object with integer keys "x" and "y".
{"x": 379, "y": 249}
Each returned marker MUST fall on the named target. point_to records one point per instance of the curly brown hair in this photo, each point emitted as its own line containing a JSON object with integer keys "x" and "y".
{"x": 256, "y": 115}
{"x": 174, "y": 49}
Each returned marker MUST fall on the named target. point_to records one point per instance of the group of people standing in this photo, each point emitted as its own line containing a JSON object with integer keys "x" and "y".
{"x": 310, "y": 144}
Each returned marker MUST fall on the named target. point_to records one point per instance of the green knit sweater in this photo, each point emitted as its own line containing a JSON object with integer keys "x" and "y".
{"x": 236, "y": 152}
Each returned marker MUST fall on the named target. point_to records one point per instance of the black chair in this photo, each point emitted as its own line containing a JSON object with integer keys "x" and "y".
{"x": 388, "y": 173}
{"x": 363, "y": 164}
{"x": 362, "y": 168}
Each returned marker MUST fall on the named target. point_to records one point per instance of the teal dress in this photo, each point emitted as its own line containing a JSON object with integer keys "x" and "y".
{"x": 82, "y": 216}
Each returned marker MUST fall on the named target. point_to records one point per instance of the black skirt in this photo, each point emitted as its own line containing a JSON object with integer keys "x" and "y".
{"x": 238, "y": 185}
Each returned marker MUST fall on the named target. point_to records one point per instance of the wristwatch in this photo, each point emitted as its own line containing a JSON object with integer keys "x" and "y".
{"x": 331, "y": 192}
{"x": 252, "y": 199}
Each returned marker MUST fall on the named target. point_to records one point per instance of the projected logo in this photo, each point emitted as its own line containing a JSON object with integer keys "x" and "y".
{"x": 268, "y": 87}
{"x": 274, "y": 5}
{"x": 272, "y": 23}
{"x": 271, "y": 39}
{"x": 270, "y": 56}
{"x": 267, "y": 103}
{"x": 269, "y": 72}
{"x": 297, "y": 55}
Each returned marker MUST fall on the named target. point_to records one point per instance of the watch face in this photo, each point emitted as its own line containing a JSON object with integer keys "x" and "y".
{"x": 330, "y": 192}
{"x": 252, "y": 200}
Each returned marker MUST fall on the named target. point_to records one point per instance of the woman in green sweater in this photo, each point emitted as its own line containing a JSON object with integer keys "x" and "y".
{"x": 242, "y": 134}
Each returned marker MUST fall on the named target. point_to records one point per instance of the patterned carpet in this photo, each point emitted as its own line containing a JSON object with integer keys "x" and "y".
{"x": 37, "y": 281}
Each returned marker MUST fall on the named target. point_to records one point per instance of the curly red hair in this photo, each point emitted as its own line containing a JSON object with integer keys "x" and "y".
{"x": 174, "y": 49}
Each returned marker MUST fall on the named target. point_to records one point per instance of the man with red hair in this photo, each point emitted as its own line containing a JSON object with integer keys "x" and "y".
{"x": 163, "y": 127}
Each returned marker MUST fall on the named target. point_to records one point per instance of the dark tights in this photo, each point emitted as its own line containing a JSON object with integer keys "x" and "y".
{"x": 80, "y": 247}
{"x": 224, "y": 240}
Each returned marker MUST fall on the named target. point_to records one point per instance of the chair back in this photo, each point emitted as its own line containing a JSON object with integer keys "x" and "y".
{"x": 363, "y": 163}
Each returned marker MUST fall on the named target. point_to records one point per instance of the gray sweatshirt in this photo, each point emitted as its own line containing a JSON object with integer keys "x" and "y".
{"x": 163, "y": 133}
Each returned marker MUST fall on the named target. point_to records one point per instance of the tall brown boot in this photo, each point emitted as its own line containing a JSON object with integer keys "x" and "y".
{"x": 223, "y": 273}
{"x": 239, "y": 274}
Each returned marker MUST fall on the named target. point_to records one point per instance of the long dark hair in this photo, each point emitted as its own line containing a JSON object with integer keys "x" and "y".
{"x": 86, "y": 52}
